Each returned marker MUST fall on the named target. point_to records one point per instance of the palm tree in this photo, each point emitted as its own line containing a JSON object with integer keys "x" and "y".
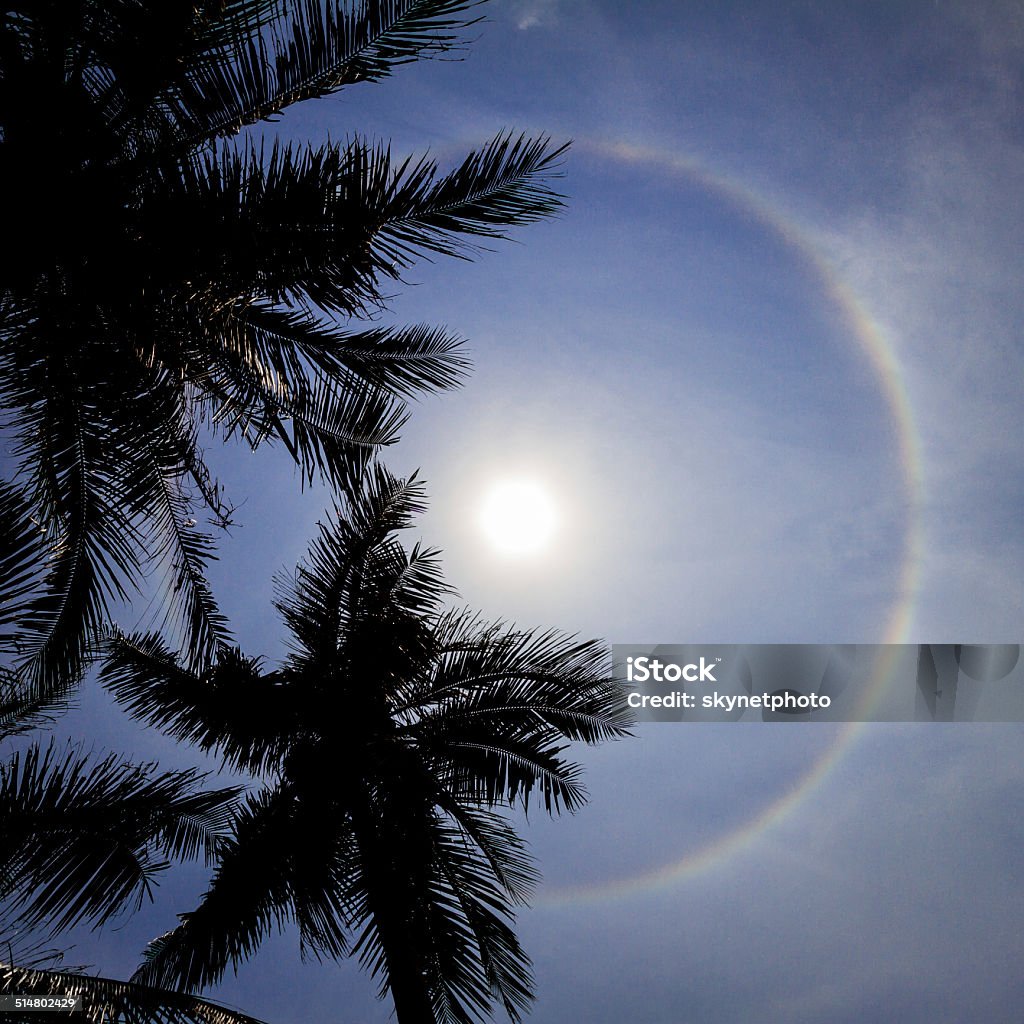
{"x": 160, "y": 285}
{"x": 84, "y": 839}
{"x": 388, "y": 738}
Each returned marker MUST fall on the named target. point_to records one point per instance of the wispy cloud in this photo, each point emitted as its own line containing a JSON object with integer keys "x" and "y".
{"x": 535, "y": 13}
{"x": 941, "y": 274}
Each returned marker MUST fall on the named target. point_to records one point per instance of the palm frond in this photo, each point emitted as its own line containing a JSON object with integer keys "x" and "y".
{"x": 485, "y": 670}
{"x": 312, "y": 50}
{"x": 248, "y": 897}
{"x": 128, "y": 59}
{"x": 434, "y": 923}
{"x": 231, "y": 708}
{"x": 330, "y": 429}
{"x": 504, "y": 966}
{"x": 106, "y": 999}
{"x": 22, "y": 709}
{"x": 105, "y": 450}
{"x": 84, "y": 839}
{"x": 399, "y": 360}
{"x": 23, "y": 553}
{"x": 219, "y": 25}
{"x": 23, "y": 549}
{"x": 484, "y": 766}
{"x": 175, "y": 545}
{"x": 352, "y": 559}
{"x": 505, "y": 852}
{"x": 323, "y": 227}
{"x": 504, "y": 184}
{"x": 85, "y": 574}
{"x": 502, "y": 704}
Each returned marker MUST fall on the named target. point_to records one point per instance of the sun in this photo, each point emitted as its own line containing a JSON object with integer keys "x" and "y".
{"x": 518, "y": 517}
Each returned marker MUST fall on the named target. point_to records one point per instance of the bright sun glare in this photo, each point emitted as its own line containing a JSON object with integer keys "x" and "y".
{"x": 518, "y": 517}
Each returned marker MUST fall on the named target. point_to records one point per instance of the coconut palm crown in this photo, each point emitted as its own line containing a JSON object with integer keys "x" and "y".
{"x": 387, "y": 739}
{"x": 160, "y": 284}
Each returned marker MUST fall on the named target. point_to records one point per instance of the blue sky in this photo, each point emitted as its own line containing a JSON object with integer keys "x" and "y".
{"x": 673, "y": 358}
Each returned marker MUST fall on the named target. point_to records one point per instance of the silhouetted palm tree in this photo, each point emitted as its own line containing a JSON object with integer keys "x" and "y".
{"x": 388, "y": 736}
{"x": 83, "y": 839}
{"x": 157, "y": 282}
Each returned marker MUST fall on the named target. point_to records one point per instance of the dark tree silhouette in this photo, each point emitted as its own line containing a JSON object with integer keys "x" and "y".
{"x": 158, "y": 283}
{"x": 389, "y": 735}
{"x": 83, "y": 840}
{"x": 84, "y": 837}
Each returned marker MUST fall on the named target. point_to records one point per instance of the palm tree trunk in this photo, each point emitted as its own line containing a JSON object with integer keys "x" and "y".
{"x": 393, "y": 891}
{"x": 400, "y": 938}
{"x": 408, "y": 989}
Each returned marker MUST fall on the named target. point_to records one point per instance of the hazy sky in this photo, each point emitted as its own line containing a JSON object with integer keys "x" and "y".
{"x": 769, "y": 365}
